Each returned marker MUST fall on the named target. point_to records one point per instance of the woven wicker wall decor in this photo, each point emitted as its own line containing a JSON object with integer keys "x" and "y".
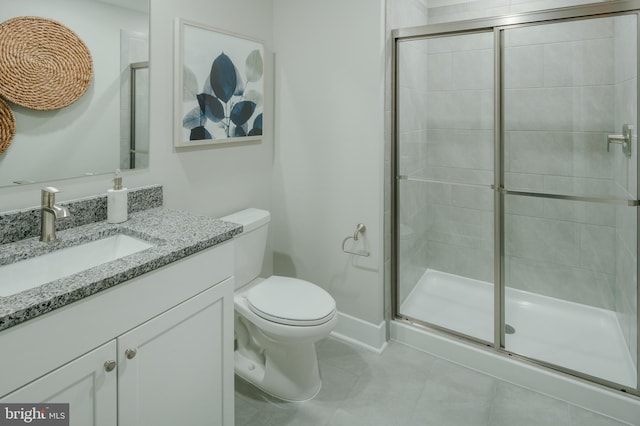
{"x": 43, "y": 64}
{"x": 7, "y": 126}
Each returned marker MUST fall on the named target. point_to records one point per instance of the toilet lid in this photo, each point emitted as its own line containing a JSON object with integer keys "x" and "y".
{"x": 291, "y": 301}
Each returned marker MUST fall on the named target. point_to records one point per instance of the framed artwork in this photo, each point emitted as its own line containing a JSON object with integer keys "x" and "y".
{"x": 219, "y": 86}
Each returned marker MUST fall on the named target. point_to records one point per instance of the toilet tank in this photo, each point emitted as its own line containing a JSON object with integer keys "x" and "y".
{"x": 250, "y": 245}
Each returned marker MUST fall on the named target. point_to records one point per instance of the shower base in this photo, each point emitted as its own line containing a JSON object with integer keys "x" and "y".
{"x": 571, "y": 335}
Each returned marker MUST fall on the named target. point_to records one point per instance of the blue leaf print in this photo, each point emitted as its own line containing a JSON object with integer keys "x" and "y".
{"x": 199, "y": 133}
{"x": 223, "y": 77}
{"x": 257, "y": 126}
{"x": 254, "y": 66}
{"x": 257, "y": 123}
{"x": 211, "y": 107}
{"x": 240, "y": 132}
{"x": 239, "y": 83}
{"x": 241, "y": 112}
{"x": 189, "y": 84}
{"x": 193, "y": 118}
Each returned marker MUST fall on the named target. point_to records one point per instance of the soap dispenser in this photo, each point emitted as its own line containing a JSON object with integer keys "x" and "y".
{"x": 117, "y": 207}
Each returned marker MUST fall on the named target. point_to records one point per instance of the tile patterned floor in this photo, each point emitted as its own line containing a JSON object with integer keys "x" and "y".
{"x": 406, "y": 387}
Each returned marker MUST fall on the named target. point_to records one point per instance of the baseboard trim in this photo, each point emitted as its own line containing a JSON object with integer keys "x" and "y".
{"x": 360, "y": 332}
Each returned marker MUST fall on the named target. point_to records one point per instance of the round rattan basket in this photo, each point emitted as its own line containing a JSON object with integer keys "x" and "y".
{"x": 43, "y": 64}
{"x": 7, "y": 126}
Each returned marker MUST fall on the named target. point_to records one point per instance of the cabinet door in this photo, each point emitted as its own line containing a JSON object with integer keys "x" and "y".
{"x": 83, "y": 383}
{"x": 177, "y": 369}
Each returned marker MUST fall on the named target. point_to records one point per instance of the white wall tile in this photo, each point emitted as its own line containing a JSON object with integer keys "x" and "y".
{"x": 486, "y": 109}
{"x": 467, "y": 262}
{"x": 460, "y": 175}
{"x": 597, "y": 248}
{"x": 626, "y": 43}
{"x": 561, "y": 32}
{"x": 460, "y": 43}
{"x": 524, "y": 182}
{"x": 581, "y": 212}
{"x": 542, "y": 152}
{"x": 539, "y": 109}
{"x": 411, "y": 153}
{"x": 554, "y": 241}
{"x": 412, "y": 65}
{"x": 558, "y": 64}
{"x": 411, "y": 107}
{"x": 439, "y": 193}
{"x": 472, "y": 197}
{"x": 454, "y": 110}
{"x": 590, "y": 156}
{"x": 567, "y": 283}
{"x": 593, "y": 62}
{"x": 625, "y": 294}
{"x": 440, "y": 72}
{"x": 473, "y": 69}
{"x": 596, "y": 108}
{"x": 471, "y": 149}
{"x": 523, "y": 206}
{"x": 524, "y": 67}
{"x": 406, "y": 13}
{"x": 461, "y": 221}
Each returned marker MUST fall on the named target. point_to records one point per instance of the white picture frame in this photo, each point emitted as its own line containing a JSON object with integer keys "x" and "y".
{"x": 219, "y": 86}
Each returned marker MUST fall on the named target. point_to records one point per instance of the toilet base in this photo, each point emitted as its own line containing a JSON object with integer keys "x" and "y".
{"x": 279, "y": 359}
{"x": 284, "y": 375}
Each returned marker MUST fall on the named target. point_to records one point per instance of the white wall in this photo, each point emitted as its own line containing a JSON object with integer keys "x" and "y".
{"x": 329, "y": 147}
{"x": 212, "y": 181}
{"x": 329, "y": 125}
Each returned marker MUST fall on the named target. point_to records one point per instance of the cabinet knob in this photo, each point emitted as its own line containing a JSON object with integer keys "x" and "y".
{"x": 109, "y": 366}
{"x": 130, "y": 353}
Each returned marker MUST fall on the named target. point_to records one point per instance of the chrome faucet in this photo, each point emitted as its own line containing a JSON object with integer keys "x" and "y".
{"x": 49, "y": 212}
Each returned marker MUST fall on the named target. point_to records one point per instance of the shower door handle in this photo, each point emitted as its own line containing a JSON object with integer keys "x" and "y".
{"x": 624, "y": 139}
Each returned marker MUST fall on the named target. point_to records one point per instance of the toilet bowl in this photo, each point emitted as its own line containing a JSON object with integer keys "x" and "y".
{"x": 278, "y": 319}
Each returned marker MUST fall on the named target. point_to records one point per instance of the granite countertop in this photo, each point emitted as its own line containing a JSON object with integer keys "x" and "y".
{"x": 175, "y": 235}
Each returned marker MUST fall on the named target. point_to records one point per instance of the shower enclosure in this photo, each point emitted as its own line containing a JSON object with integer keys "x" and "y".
{"x": 515, "y": 186}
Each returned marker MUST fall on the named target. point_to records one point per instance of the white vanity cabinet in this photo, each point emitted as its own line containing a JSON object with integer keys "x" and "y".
{"x": 155, "y": 350}
{"x": 171, "y": 370}
{"x": 83, "y": 383}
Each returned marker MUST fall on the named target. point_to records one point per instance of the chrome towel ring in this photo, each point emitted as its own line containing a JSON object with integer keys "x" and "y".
{"x": 360, "y": 228}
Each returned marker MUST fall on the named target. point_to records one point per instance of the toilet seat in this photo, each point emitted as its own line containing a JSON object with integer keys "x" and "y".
{"x": 291, "y": 301}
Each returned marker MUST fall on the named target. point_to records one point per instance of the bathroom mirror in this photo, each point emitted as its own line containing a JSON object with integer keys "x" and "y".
{"x": 108, "y": 127}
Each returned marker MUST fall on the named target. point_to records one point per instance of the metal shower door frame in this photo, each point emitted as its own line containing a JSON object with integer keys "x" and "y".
{"x": 498, "y": 25}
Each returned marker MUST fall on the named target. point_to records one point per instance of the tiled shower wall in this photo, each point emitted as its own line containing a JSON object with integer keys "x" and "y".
{"x": 559, "y": 99}
{"x": 406, "y": 13}
{"x": 414, "y": 223}
{"x": 625, "y": 177}
{"x": 447, "y": 227}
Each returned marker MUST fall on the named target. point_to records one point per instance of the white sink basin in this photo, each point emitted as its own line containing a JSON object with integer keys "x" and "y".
{"x": 33, "y": 272}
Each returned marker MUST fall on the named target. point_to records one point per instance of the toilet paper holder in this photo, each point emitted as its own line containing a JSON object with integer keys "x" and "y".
{"x": 360, "y": 228}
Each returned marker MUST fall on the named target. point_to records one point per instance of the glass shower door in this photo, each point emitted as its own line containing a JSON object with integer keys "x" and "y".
{"x": 569, "y": 96}
{"x": 444, "y": 193}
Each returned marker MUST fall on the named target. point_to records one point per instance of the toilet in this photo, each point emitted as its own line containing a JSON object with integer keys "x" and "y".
{"x": 277, "y": 319}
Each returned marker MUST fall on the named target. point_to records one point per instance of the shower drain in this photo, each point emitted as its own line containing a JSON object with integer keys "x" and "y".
{"x": 508, "y": 329}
